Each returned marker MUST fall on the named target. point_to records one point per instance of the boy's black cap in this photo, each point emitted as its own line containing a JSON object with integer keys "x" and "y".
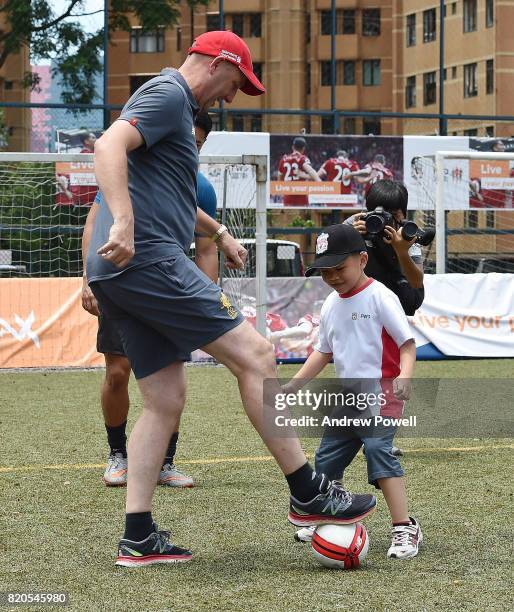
{"x": 334, "y": 245}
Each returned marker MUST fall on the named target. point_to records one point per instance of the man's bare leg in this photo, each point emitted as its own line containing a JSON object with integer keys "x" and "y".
{"x": 251, "y": 359}
{"x": 163, "y": 401}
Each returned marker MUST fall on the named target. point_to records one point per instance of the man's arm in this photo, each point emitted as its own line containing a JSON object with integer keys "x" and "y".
{"x": 412, "y": 271}
{"x": 235, "y": 253}
{"x": 88, "y": 299}
{"x": 206, "y": 257}
{"x": 308, "y": 169}
{"x": 112, "y": 176}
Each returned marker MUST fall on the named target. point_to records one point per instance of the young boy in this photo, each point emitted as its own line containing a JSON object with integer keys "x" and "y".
{"x": 365, "y": 330}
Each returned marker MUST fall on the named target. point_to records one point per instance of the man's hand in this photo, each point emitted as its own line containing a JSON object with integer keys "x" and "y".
{"x": 396, "y": 240}
{"x": 235, "y": 253}
{"x": 89, "y": 302}
{"x": 359, "y": 224}
{"x": 119, "y": 249}
{"x": 402, "y": 388}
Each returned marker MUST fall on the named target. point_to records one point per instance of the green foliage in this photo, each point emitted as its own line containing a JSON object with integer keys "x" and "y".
{"x": 300, "y": 222}
{"x": 60, "y": 37}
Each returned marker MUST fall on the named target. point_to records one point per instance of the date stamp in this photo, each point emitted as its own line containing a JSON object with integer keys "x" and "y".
{"x": 33, "y": 598}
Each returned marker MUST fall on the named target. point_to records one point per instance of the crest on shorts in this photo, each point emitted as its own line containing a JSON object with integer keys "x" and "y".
{"x": 226, "y": 303}
{"x": 321, "y": 244}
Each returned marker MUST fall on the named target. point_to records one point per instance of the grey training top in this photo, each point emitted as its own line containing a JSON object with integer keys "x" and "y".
{"x": 161, "y": 176}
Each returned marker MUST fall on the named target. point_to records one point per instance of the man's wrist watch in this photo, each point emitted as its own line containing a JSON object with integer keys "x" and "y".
{"x": 219, "y": 232}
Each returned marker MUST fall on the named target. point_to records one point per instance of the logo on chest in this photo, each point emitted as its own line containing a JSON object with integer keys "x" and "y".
{"x": 356, "y": 316}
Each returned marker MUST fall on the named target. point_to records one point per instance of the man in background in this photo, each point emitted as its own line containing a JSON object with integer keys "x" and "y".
{"x": 296, "y": 166}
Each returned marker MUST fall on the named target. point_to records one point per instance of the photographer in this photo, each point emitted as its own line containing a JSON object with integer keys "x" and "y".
{"x": 393, "y": 260}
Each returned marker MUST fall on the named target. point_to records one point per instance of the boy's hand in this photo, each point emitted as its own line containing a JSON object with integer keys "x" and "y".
{"x": 402, "y": 388}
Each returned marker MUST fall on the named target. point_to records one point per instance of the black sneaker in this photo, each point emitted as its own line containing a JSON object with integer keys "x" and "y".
{"x": 333, "y": 505}
{"x": 156, "y": 548}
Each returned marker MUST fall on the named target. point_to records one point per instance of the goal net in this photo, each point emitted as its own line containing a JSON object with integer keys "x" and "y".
{"x": 44, "y": 202}
{"x": 468, "y": 197}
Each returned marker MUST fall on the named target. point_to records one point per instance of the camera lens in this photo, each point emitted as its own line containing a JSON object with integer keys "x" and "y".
{"x": 409, "y": 230}
{"x": 375, "y": 223}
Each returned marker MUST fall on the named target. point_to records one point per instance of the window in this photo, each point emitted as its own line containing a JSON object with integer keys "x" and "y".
{"x": 349, "y": 73}
{"x": 345, "y": 73}
{"x": 255, "y": 25}
{"x": 308, "y": 28}
{"x": 179, "y": 38}
{"x": 489, "y": 218}
{"x": 308, "y": 80}
{"x": 411, "y": 30}
{"x": 238, "y": 24}
{"x": 470, "y": 132}
{"x": 345, "y": 22}
{"x": 454, "y": 8}
{"x": 348, "y": 22}
{"x": 146, "y": 42}
{"x": 489, "y": 13}
{"x": 256, "y": 123}
{"x": 371, "y": 22}
{"x": 139, "y": 79}
{"x": 326, "y": 23}
{"x": 327, "y": 125}
{"x": 489, "y": 76}
{"x": 257, "y": 69}
{"x": 410, "y": 92}
{"x": 8, "y": 85}
{"x": 429, "y": 88}
{"x": 470, "y": 80}
{"x": 371, "y": 72}
{"x": 238, "y": 123}
{"x": 349, "y": 126}
{"x": 489, "y": 131}
{"x": 469, "y": 15}
{"x": 429, "y": 27}
{"x": 445, "y": 74}
{"x": 326, "y": 75}
{"x": 213, "y": 22}
{"x": 471, "y": 217}
{"x": 454, "y": 72}
{"x": 371, "y": 127}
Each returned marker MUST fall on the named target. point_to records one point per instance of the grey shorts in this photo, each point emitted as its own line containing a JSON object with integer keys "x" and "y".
{"x": 164, "y": 311}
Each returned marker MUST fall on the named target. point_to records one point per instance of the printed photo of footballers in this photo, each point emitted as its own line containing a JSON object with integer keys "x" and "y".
{"x": 492, "y": 182}
{"x": 346, "y": 166}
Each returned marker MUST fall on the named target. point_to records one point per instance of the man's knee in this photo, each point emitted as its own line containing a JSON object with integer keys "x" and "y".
{"x": 117, "y": 372}
{"x": 259, "y": 357}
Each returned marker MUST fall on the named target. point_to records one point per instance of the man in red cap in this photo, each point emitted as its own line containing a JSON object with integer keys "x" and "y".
{"x": 163, "y": 306}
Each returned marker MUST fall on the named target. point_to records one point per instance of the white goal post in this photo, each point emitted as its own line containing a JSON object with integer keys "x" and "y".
{"x": 12, "y": 196}
{"x": 441, "y": 202}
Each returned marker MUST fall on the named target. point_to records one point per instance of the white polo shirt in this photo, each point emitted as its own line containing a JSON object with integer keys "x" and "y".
{"x": 364, "y": 329}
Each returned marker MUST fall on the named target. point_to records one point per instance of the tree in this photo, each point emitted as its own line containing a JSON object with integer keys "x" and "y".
{"x": 76, "y": 53}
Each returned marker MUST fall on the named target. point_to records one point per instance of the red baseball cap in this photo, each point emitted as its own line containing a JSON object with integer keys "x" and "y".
{"x": 233, "y": 49}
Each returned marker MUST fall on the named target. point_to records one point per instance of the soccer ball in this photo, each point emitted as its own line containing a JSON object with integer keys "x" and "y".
{"x": 340, "y": 546}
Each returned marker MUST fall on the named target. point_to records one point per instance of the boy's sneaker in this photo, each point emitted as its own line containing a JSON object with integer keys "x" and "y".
{"x": 406, "y": 541}
{"x": 305, "y": 534}
{"x": 170, "y": 476}
{"x": 115, "y": 474}
{"x": 333, "y": 505}
{"x": 156, "y": 548}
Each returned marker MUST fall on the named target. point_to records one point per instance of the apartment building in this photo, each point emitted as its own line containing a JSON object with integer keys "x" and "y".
{"x": 387, "y": 59}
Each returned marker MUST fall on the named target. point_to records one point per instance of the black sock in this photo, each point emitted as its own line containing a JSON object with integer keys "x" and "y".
{"x": 117, "y": 438}
{"x": 305, "y": 483}
{"x": 172, "y": 448}
{"x": 138, "y": 526}
{"x": 409, "y": 522}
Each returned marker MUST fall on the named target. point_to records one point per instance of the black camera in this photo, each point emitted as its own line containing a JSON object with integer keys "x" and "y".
{"x": 379, "y": 218}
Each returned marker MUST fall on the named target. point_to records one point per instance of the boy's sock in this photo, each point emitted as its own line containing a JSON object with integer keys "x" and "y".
{"x": 117, "y": 438}
{"x": 172, "y": 449}
{"x": 138, "y": 526}
{"x": 305, "y": 483}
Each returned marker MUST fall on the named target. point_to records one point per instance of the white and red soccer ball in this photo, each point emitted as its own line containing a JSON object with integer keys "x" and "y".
{"x": 340, "y": 546}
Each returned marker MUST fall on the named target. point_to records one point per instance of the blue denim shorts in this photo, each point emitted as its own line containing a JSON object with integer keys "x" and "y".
{"x": 164, "y": 311}
{"x": 335, "y": 454}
